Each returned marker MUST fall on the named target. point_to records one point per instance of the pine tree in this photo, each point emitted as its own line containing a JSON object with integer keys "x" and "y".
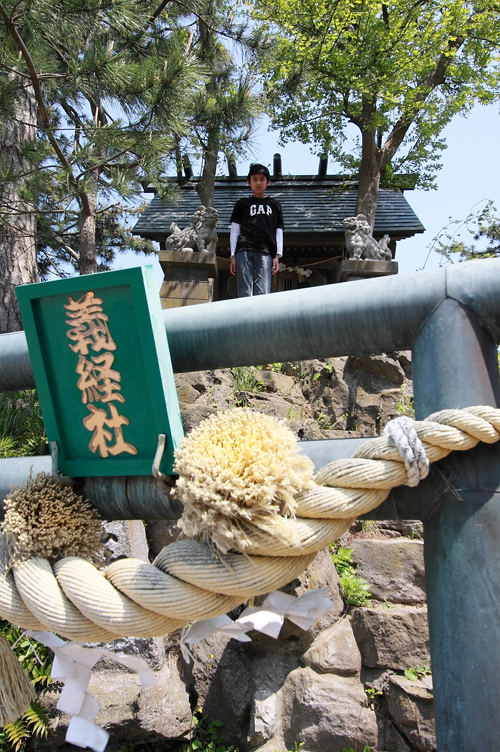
{"x": 110, "y": 83}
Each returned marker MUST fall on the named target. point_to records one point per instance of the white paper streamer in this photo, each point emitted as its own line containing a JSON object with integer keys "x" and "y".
{"x": 72, "y": 665}
{"x": 303, "y": 611}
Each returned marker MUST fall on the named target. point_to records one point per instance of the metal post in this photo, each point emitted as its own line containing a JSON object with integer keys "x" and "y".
{"x": 455, "y": 365}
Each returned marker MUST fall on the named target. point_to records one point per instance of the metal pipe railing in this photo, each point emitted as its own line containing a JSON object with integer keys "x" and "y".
{"x": 369, "y": 316}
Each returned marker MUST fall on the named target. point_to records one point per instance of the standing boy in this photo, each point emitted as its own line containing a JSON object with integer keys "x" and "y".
{"x": 256, "y": 236}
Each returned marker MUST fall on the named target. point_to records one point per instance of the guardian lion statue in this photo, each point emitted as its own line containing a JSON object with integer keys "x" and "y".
{"x": 360, "y": 244}
{"x": 200, "y": 236}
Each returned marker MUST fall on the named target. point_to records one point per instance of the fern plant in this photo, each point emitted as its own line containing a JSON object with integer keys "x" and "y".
{"x": 355, "y": 590}
{"x": 36, "y": 660}
{"x": 14, "y": 736}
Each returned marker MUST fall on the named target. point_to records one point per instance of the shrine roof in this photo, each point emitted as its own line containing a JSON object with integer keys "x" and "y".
{"x": 312, "y": 205}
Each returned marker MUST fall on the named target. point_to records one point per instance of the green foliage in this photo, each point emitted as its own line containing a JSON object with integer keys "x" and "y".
{"x": 351, "y": 749}
{"x": 207, "y": 738}
{"x": 14, "y": 736}
{"x": 342, "y": 558}
{"x": 275, "y": 367}
{"x": 114, "y": 83}
{"x": 22, "y": 431}
{"x": 325, "y": 422}
{"x": 406, "y": 404}
{"x": 36, "y": 660}
{"x": 355, "y": 590}
{"x": 245, "y": 383}
{"x": 482, "y": 225}
{"x": 373, "y": 693}
{"x": 369, "y": 527}
{"x": 397, "y": 71}
{"x": 418, "y": 672}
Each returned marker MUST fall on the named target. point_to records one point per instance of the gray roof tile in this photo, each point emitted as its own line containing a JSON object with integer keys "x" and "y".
{"x": 310, "y": 205}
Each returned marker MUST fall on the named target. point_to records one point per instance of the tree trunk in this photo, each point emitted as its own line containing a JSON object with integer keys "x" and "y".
{"x": 88, "y": 262}
{"x": 206, "y": 186}
{"x": 369, "y": 177}
{"x": 17, "y": 216}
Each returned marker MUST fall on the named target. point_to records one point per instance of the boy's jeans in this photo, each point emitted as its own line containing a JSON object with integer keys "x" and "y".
{"x": 253, "y": 273}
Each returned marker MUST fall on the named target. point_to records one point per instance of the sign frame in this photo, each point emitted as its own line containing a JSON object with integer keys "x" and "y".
{"x": 131, "y": 313}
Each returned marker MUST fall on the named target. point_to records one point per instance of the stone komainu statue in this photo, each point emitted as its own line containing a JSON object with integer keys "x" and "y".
{"x": 360, "y": 244}
{"x": 200, "y": 236}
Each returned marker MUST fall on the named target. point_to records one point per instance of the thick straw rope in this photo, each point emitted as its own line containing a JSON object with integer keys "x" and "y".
{"x": 187, "y": 581}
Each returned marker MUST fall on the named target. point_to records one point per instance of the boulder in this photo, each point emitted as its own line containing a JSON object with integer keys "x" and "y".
{"x": 269, "y": 673}
{"x": 160, "y": 533}
{"x": 393, "y": 567}
{"x": 326, "y": 712}
{"x": 396, "y": 638}
{"x": 128, "y": 712}
{"x": 335, "y": 651}
{"x": 382, "y": 367}
{"x": 411, "y": 705}
{"x": 275, "y": 382}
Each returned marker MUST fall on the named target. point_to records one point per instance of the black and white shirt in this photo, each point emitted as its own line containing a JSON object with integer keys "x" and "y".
{"x": 259, "y": 218}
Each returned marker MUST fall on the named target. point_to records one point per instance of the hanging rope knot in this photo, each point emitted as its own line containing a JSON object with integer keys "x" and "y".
{"x": 402, "y": 433}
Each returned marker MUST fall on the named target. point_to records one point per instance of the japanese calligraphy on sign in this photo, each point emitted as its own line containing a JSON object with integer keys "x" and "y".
{"x": 98, "y": 381}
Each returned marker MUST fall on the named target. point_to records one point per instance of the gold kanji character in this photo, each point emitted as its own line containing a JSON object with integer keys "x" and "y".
{"x": 97, "y": 380}
{"x": 96, "y": 421}
{"x": 89, "y": 325}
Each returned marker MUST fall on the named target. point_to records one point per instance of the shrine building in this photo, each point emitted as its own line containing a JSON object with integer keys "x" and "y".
{"x": 314, "y": 207}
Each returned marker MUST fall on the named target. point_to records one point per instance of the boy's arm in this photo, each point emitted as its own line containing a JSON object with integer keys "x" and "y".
{"x": 279, "y": 251}
{"x": 233, "y": 239}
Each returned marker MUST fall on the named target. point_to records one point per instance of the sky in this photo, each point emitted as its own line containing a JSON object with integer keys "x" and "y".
{"x": 469, "y": 177}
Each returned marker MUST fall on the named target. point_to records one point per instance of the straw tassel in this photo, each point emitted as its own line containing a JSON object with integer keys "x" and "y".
{"x": 16, "y": 691}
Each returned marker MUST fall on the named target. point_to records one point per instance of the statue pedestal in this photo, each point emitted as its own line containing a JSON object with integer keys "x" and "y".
{"x": 189, "y": 278}
{"x": 350, "y": 270}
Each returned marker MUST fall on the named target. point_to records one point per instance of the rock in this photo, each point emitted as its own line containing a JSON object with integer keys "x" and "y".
{"x": 192, "y": 415}
{"x": 335, "y": 651}
{"x": 394, "y": 568}
{"x": 395, "y": 638}
{"x": 412, "y": 707}
{"x": 186, "y": 393}
{"x": 199, "y": 380}
{"x": 326, "y": 712}
{"x": 128, "y": 712}
{"x": 408, "y": 528}
{"x": 382, "y": 367}
{"x": 389, "y": 738}
{"x": 270, "y": 404}
{"x": 198, "y": 675}
{"x": 229, "y": 696}
{"x": 150, "y": 649}
{"x": 165, "y": 709}
{"x": 126, "y": 538}
{"x": 160, "y": 533}
{"x": 262, "y": 718}
{"x": 269, "y": 673}
{"x": 275, "y": 382}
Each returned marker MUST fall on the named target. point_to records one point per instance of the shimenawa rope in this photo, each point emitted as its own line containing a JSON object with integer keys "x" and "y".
{"x": 188, "y": 581}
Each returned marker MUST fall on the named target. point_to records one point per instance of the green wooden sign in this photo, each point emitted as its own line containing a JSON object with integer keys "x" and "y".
{"x": 103, "y": 372}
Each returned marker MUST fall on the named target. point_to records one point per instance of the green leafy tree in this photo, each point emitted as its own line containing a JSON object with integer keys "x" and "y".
{"x": 397, "y": 70}
{"x": 482, "y": 227}
{"x": 103, "y": 89}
